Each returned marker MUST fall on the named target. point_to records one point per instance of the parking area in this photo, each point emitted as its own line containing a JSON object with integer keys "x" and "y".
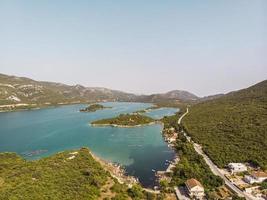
{"x": 181, "y": 193}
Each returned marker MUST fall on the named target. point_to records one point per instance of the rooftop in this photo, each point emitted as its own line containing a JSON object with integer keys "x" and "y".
{"x": 259, "y": 174}
{"x": 236, "y": 165}
{"x": 191, "y": 183}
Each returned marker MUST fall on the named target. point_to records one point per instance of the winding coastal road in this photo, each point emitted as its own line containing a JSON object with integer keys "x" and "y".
{"x": 180, "y": 119}
{"x": 215, "y": 170}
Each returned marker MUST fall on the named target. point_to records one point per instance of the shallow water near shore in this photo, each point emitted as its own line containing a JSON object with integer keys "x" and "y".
{"x": 40, "y": 133}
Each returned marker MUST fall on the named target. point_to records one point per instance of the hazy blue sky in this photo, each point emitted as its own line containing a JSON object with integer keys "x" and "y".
{"x": 141, "y": 46}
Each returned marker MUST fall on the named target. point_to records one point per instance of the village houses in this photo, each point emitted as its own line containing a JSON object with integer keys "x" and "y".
{"x": 256, "y": 177}
{"x": 237, "y": 167}
{"x": 195, "y": 189}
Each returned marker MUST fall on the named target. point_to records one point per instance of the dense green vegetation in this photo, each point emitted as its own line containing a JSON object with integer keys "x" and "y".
{"x": 232, "y": 128}
{"x": 57, "y": 177}
{"x": 125, "y": 120}
{"x": 93, "y": 108}
{"x": 264, "y": 185}
{"x": 192, "y": 165}
{"x": 172, "y": 121}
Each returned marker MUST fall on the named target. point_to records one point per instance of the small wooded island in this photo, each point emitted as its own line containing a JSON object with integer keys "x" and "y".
{"x": 93, "y": 108}
{"x": 125, "y": 120}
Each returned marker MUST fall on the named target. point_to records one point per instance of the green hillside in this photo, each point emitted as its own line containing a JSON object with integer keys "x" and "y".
{"x": 192, "y": 165}
{"x": 232, "y": 128}
{"x": 57, "y": 177}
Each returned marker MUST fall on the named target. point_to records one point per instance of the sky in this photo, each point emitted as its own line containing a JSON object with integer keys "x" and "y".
{"x": 141, "y": 46}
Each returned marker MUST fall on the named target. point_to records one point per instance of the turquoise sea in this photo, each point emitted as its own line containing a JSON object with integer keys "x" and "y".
{"x": 39, "y": 133}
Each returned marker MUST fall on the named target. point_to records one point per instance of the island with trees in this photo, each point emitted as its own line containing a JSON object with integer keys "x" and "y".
{"x": 93, "y": 108}
{"x": 125, "y": 120}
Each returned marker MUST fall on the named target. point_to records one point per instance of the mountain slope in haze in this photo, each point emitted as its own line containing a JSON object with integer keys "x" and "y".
{"x": 20, "y": 90}
{"x": 14, "y": 90}
{"x": 211, "y": 97}
{"x": 233, "y": 127}
{"x": 179, "y": 96}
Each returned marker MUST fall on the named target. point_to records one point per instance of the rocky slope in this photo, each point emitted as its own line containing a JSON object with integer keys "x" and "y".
{"x": 25, "y": 92}
{"x": 19, "y": 90}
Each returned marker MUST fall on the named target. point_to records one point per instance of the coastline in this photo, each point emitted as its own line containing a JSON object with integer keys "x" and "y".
{"x": 18, "y": 108}
{"x": 44, "y": 106}
{"x": 116, "y": 171}
{"x": 111, "y": 125}
{"x": 160, "y": 175}
{"x": 124, "y": 126}
{"x": 92, "y": 111}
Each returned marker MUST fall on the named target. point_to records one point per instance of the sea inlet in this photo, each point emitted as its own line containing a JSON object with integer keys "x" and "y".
{"x": 40, "y": 133}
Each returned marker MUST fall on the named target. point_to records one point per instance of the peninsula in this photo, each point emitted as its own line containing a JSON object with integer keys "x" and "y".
{"x": 93, "y": 108}
{"x": 125, "y": 120}
{"x": 70, "y": 175}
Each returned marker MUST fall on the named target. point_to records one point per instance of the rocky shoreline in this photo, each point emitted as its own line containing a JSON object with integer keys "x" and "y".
{"x": 116, "y": 171}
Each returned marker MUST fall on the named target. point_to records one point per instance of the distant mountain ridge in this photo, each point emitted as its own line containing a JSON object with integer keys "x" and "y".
{"x": 175, "y": 95}
{"x": 21, "y": 90}
{"x": 211, "y": 97}
{"x": 181, "y": 94}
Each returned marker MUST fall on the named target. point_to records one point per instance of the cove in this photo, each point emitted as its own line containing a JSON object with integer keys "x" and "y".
{"x": 40, "y": 133}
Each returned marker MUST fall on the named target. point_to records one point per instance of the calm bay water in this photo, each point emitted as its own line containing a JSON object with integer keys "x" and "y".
{"x": 52, "y": 130}
{"x": 161, "y": 112}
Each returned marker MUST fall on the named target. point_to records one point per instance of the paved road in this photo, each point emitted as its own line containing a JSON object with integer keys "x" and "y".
{"x": 215, "y": 170}
{"x": 180, "y": 119}
{"x": 152, "y": 191}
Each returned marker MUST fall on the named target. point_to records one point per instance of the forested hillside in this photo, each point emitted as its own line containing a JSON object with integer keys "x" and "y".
{"x": 175, "y": 97}
{"x": 67, "y": 175}
{"x": 232, "y": 128}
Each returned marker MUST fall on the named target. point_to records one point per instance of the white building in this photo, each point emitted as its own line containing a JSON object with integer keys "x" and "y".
{"x": 237, "y": 167}
{"x": 256, "y": 177}
{"x": 171, "y": 139}
{"x": 172, "y": 129}
{"x": 195, "y": 189}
